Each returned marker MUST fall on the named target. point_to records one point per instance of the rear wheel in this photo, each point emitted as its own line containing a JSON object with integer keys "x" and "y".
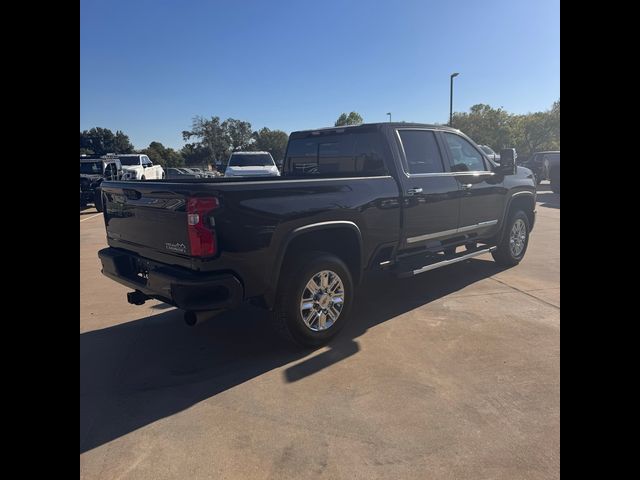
{"x": 515, "y": 240}
{"x": 313, "y": 302}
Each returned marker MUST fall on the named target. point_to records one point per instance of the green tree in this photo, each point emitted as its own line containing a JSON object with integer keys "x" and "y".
{"x": 161, "y": 155}
{"x": 272, "y": 141}
{"x": 486, "y": 126}
{"x": 239, "y": 134}
{"x": 500, "y": 129}
{"x": 101, "y": 141}
{"x": 196, "y": 154}
{"x": 353, "y": 118}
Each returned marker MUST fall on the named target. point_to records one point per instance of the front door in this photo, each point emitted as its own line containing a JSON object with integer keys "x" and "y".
{"x": 430, "y": 191}
{"x": 481, "y": 189}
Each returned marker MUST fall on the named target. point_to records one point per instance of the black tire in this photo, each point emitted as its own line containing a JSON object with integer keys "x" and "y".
{"x": 97, "y": 201}
{"x": 504, "y": 255}
{"x": 142, "y": 178}
{"x": 287, "y": 317}
{"x": 555, "y": 181}
{"x": 163, "y": 175}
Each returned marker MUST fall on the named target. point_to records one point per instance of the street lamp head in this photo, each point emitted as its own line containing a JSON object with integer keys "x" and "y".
{"x": 454, "y": 74}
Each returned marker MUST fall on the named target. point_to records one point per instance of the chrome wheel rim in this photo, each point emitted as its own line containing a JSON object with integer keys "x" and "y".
{"x": 518, "y": 237}
{"x": 322, "y": 300}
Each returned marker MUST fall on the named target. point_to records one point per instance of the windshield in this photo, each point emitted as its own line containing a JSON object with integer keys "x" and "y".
{"x": 254, "y": 160}
{"x": 130, "y": 160}
{"x": 91, "y": 168}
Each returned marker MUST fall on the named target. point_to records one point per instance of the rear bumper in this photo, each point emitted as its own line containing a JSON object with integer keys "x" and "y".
{"x": 177, "y": 286}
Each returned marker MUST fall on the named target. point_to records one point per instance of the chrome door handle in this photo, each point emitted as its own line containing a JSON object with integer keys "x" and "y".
{"x": 466, "y": 186}
{"x": 414, "y": 191}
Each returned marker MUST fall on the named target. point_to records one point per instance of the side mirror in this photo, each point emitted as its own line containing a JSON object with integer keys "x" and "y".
{"x": 508, "y": 161}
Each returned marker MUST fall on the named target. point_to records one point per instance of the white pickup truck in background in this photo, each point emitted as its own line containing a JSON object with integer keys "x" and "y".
{"x": 139, "y": 167}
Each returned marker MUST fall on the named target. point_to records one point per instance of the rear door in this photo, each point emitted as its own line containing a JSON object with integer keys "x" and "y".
{"x": 430, "y": 192}
{"x": 481, "y": 190}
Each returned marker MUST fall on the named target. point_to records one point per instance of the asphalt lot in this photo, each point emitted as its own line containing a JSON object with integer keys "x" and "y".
{"x": 454, "y": 374}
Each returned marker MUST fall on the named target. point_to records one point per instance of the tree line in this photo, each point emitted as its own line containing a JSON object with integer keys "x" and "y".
{"x": 211, "y": 139}
{"x": 528, "y": 133}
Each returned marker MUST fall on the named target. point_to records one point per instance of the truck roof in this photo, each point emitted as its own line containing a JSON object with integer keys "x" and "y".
{"x": 369, "y": 126}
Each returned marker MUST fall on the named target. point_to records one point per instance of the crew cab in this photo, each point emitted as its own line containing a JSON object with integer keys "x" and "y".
{"x": 401, "y": 197}
{"x": 140, "y": 167}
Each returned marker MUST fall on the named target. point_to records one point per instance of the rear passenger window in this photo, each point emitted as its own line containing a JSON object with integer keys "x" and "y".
{"x": 421, "y": 151}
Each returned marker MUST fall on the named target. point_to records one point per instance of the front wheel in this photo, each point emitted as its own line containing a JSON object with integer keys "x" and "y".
{"x": 515, "y": 240}
{"x": 313, "y": 302}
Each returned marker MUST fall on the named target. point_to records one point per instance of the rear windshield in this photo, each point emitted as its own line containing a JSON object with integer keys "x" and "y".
{"x": 255, "y": 160}
{"x": 353, "y": 153}
{"x": 91, "y": 168}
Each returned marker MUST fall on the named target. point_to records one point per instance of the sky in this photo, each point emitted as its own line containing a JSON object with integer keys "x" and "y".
{"x": 147, "y": 67}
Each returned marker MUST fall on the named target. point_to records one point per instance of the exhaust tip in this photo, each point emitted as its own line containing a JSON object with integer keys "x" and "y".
{"x": 194, "y": 318}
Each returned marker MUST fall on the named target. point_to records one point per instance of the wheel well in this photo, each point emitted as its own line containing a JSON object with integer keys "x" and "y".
{"x": 343, "y": 242}
{"x": 524, "y": 203}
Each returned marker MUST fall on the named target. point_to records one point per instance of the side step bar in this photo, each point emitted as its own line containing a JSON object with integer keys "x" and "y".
{"x": 448, "y": 261}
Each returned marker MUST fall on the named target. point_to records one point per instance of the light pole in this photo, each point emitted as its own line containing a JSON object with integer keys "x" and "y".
{"x": 451, "y": 98}
{"x": 389, "y": 113}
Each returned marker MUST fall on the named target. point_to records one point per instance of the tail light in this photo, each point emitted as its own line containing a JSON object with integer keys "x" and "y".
{"x": 202, "y": 236}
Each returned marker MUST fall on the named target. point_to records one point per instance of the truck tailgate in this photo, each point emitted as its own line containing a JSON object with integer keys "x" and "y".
{"x": 156, "y": 215}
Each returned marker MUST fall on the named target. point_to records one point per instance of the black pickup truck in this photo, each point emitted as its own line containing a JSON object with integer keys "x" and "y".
{"x": 402, "y": 197}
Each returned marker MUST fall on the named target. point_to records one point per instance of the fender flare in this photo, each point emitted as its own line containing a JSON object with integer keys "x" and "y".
{"x": 274, "y": 278}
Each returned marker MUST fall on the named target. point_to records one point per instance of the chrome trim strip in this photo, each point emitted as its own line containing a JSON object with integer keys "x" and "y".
{"x": 453, "y": 260}
{"x": 522, "y": 193}
{"x": 428, "y": 236}
{"x": 322, "y": 224}
{"x": 444, "y": 233}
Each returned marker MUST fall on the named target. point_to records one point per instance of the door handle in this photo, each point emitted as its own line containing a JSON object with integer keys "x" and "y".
{"x": 466, "y": 186}
{"x": 414, "y": 191}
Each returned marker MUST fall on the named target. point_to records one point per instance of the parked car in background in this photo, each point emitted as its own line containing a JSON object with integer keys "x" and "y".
{"x": 140, "y": 167}
{"x": 490, "y": 153}
{"x": 93, "y": 170}
{"x": 199, "y": 171}
{"x": 251, "y": 164}
{"x": 546, "y": 166}
{"x": 176, "y": 173}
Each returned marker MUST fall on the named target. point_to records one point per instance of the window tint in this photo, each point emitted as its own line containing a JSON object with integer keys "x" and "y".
{"x": 465, "y": 157}
{"x": 346, "y": 154}
{"x": 369, "y": 154}
{"x": 336, "y": 154}
{"x": 302, "y": 157}
{"x": 421, "y": 151}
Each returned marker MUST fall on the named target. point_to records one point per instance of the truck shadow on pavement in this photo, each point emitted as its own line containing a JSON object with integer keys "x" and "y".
{"x": 138, "y": 372}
